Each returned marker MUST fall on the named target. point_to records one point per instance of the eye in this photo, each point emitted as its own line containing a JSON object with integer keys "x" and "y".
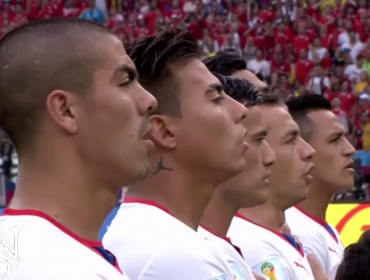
{"x": 125, "y": 84}
{"x": 292, "y": 141}
{"x": 218, "y": 100}
{"x": 260, "y": 140}
{"x": 335, "y": 140}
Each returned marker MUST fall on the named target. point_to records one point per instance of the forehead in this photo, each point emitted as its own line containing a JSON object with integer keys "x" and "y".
{"x": 278, "y": 120}
{"x": 250, "y": 77}
{"x": 194, "y": 76}
{"x": 326, "y": 123}
{"x": 112, "y": 54}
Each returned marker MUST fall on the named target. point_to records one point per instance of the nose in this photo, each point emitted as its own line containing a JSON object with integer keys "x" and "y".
{"x": 307, "y": 151}
{"x": 146, "y": 102}
{"x": 348, "y": 150}
{"x": 238, "y": 111}
{"x": 269, "y": 157}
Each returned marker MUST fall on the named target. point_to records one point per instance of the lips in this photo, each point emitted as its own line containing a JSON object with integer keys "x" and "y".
{"x": 350, "y": 164}
{"x": 267, "y": 175}
{"x": 309, "y": 169}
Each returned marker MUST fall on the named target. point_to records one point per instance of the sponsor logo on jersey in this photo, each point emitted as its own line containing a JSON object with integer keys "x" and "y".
{"x": 297, "y": 264}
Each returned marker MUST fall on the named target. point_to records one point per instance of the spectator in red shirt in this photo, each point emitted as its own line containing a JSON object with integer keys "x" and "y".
{"x": 303, "y": 67}
{"x": 301, "y": 41}
{"x": 347, "y": 98}
{"x": 278, "y": 65}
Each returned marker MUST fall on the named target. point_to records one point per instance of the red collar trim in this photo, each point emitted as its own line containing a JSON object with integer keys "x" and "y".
{"x": 227, "y": 239}
{"x": 300, "y": 251}
{"x": 320, "y": 221}
{"x": 91, "y": 244}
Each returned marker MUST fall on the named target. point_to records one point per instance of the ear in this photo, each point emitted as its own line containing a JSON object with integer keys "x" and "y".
{"x": 163, "y": 131}
{"x": 60, "y": 108}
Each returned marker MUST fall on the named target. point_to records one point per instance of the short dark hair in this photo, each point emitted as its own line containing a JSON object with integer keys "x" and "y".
{"x": 299, "y": 108}
{"x": 225, "y": 63}
{"x": 240, "y": 89}
{"x": 153, "y": 56}
{"x": 36, "y": 59}
{"x": 356, "y": 259}
{"x": 271, "y": 99}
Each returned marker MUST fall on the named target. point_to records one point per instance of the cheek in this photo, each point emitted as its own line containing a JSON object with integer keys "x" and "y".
{"x": 252, "y": 158}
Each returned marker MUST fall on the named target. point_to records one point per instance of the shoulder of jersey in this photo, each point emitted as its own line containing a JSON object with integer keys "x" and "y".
{"x": 36, "y": 242}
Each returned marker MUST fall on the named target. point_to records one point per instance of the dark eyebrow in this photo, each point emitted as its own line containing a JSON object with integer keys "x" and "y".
{"x": 292, "y": 132}
{"x": 260, "y": 133}
{"x": 214, "y": 87}
{"x": 125, "y": 69}
{"x": 336, "y": 134}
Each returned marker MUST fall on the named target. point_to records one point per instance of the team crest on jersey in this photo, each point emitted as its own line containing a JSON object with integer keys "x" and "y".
{"x": 220, "y": 277}
{"x": 237, "y": 273}
{"x": 271, "y": 269}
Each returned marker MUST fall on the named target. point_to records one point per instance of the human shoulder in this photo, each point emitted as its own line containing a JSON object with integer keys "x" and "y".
{"x": 189, "y": 264}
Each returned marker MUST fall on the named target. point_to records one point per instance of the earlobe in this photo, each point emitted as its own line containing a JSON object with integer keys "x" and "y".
{"x": 61, "y": 110}
{"x": 163, "y": 132}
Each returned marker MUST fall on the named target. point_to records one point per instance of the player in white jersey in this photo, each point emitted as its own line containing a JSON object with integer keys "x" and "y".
{"x": 256, "y": 230}
{"x": 233, "y": 194}
{"x": 333, "y": 173}
{"x": 72, "y": 106}
{"x": 199, "y": 142}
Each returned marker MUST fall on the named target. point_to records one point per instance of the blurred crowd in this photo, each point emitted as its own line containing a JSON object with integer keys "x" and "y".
{"x": 296, "y": 46}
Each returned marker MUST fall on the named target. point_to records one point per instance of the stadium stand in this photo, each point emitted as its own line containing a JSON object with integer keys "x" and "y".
{"x": 296, "y": 46}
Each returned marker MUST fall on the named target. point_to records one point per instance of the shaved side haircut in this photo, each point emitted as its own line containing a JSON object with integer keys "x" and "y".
{"x": 240, "y": 90}
{"x": 38, "y": 58}
{"x": 299, "y": 108}
{"x": 225, "y": 63}
{"x": 156, "y": 58}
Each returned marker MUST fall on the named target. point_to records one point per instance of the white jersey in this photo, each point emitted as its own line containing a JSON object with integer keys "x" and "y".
{"x": 151, "y": 244}
{"x": 231, "y": 253}
{"x": 318, "y": 237}
{"x": 270, "y": 253}
{"x": 36, "y": 247}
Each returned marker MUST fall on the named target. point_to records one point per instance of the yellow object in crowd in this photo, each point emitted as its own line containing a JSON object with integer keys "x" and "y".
{"x": 350, "y": 219}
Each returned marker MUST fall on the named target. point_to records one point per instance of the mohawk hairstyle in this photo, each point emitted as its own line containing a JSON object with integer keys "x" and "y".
{"x": 153, "y": 57}
{"x": 240, "y": 90}
{"x": 36, "y": 59}
{"x": 356, "y": 259}
{"x": 299, "y": 108}
{"x": 225, "y": 63}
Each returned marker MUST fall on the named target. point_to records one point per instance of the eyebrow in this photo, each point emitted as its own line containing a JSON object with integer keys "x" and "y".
{"x": 291, "y": 132}
{"x": 214, "y": 87}
{"x": 336, "y": 134}
{"x": 260, "y": 133}
{"x": 125, "y": 69}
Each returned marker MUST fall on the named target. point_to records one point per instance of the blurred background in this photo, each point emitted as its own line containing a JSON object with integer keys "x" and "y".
{"x": 296, "y": 46}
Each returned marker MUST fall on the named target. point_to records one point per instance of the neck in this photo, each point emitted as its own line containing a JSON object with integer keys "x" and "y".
{"x": 182, "y": 193}
{"x": 267, "y": 215}
{"x": 218, "y": 215}
{"x": 317, "y": 201}
{"x": 64, "y": 190}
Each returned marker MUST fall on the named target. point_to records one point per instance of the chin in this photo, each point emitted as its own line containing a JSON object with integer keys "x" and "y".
{"x": 345, "y": 185}
{"x": 139, "y": 173}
